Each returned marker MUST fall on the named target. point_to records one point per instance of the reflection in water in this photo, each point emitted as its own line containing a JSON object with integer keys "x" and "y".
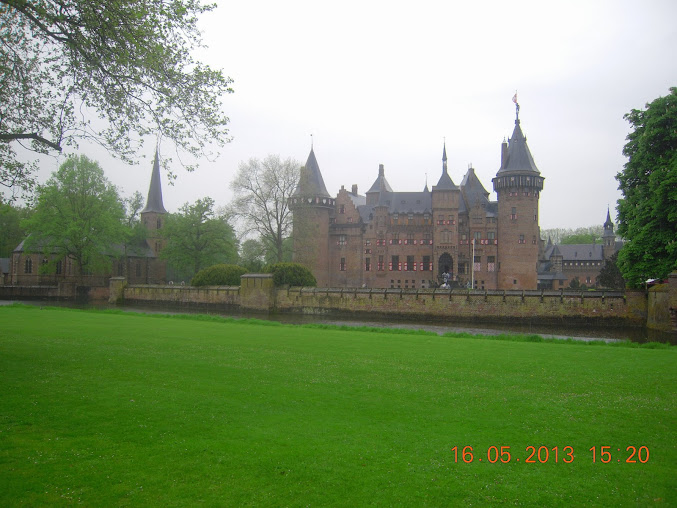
{"x": 525, "y": 327}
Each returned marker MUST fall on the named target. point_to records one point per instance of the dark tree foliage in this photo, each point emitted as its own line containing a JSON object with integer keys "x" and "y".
{"x": 78, "y": 215}
{"x": 108, "y": 71}
{"x": 647, "y": 213}
{"x": 197, "y": 237}
{"x": 610, "y": 276}
{"x": 292, "y": 274}
{"x": 12, "y": 230}
{"x": 219, "y": 275}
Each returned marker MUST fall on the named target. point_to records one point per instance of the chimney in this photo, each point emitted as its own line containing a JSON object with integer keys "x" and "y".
{"x": 504, "y": 152}
{"x": 354, "y": 189}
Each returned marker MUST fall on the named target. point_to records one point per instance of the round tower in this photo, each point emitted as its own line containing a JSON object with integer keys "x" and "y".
{"x": 312, "y": 209}
{"x": 518, "y": 184}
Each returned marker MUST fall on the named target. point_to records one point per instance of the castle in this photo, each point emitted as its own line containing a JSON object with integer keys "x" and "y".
{"x": 455, "y": 233}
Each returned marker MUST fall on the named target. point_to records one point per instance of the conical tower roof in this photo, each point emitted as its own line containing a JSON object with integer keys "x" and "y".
{"x": 154, "y": 200}
{"x": 519, "y": 159}
{"x": 608, "y": 225}
{"x": 445, "y": 182}
{"x": 381, "y": 184}
{"x": 311, "y": 182}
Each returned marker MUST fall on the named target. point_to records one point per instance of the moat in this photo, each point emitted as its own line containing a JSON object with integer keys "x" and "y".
{"x": 583, "y": 333}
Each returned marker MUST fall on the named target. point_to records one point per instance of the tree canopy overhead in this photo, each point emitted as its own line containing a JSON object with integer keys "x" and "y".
{"x": 647, "y": 213}
{"x": 108, "y": 71}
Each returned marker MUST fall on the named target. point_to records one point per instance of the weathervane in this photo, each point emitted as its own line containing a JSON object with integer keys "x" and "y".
{"x": 517, "y": 106}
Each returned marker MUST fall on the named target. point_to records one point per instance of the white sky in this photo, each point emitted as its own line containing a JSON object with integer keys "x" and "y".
{"x": 386, "y": 81}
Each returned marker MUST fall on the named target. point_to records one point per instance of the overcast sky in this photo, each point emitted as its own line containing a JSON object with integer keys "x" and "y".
{"x": 386, "y": 82}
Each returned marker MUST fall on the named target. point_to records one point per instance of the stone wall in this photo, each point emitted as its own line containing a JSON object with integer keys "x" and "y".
{"x": 662, "y": 302}
{"x": 546, "y": 306}
{"x": 182, "y": 295}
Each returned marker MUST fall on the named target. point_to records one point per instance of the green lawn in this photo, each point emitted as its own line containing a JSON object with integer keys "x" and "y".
{"x": 108, "y": 409}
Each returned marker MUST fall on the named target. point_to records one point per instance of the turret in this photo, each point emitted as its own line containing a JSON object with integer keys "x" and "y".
{"x": 445, "y": 204}
{"x": 312, "y": 209}
{"x": 609, "y": 237}
{"x": 518, "y": 184}
{"x": 153, "y": 218}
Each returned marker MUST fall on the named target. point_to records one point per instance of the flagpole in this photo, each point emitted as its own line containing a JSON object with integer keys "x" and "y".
{"x": 472, "y": 273}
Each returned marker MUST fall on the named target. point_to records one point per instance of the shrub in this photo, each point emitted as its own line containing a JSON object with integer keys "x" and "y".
{"x": 219, "y": 275}
{"x": 293, "y": 274}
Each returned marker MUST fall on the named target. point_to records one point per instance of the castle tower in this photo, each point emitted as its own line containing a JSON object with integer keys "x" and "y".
{"x": 518, "y": 184}
{"x": 379, "y": 186}
{"x": 609, "y": 237}
{"x": 312, "y": 209}
{"x": 153, "y": 218}
{"x": 445, "y": 204}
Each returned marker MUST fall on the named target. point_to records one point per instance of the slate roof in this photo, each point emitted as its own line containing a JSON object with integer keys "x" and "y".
{"x": 154, "y": 200}
{"x": 576, "y": 252}
{"x": 519, "y": 159}
{"x": 472, "y": 190}
{"x": 311, "y": 182}
{"x": 381, "y": 184}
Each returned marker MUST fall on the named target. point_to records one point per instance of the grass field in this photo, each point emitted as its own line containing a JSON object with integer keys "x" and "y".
{"x": 102, "y": 409}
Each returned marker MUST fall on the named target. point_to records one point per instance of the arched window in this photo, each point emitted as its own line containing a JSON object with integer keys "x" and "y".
{"x": 28, "y": 266}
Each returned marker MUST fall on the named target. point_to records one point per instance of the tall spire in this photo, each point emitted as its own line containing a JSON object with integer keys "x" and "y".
{"x": 445, "y": 182}
{"x": 154, "y": 201}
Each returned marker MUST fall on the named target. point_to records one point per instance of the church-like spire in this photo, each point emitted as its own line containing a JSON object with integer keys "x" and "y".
{"x": 445, "y": 182}
{"x": 154, "y": 201}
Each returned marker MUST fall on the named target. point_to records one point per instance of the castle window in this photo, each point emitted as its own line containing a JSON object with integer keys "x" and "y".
{"x": 59, "y": 267}
{"x": 477, "y": 236}
{"x": 513, "y": 214}
{"x": 477, "y": 264}
{"x": 367, "y": 251}
{"x": 491, "y": 235}
{"x": 410, "y": 239}
{"x": 425, "y": 266}
{"x": 427, "y": 239}
{"x": 521, "y": 240}
{"x": 342, "y": 266}
{"x": 28, "y": 266}
{"x": 463, "y": 268}
{"x": 138, "y": 268}
{"x": 426, "y": 219}
{"x": 410, "y": 219}
{"x": 159, "y": 223}
{"x": 491, "y": 263}
{"x": 380, "y": 263}
{"x": 533, "y": 240}
{"x": 367, "y": 243}
{"x": 341, "y": 240}
{"x": 342, "y": 208}
{"x": 410, "y": 264}
{"x": 350, "y": 219}
{"x": 367, "y": 264}
{"x": 395, "y": 264}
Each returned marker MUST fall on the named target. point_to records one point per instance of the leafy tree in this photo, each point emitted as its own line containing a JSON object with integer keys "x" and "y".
{"x": 292, "y": 274}
{"x": 135, "y": 234}
{"x": 261, "y": 204}
{"x": 252, "y": 255}
{"x": 610, "y": 276}
{"x": 647, "y": 213}
{"x": 79, "y": 215}
{"x": 575, "y": 284}
{"x": 12, "y": 232}
{"x": 219, "y": 275}
{"x": 197, "y": 237}
{"x": 66, "y": 63}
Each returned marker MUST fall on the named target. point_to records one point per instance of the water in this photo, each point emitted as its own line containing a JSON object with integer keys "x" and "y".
{"x": 607, "y": 334}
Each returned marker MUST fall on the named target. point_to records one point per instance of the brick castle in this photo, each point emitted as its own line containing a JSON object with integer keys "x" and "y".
{"x": 389, "y": 239}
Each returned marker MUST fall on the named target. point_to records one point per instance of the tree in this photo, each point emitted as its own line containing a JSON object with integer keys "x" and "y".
{"x": 647, "y": 213}
{"x": 197, "y": 238}
{"x": 78, "y": 215}
{"x": 261, "y": 204}
{"x": 252, "y": 255}
{"x": 12, "y": 230}
{"x": 101, "y": 71}
{"x": 610, "y": 276}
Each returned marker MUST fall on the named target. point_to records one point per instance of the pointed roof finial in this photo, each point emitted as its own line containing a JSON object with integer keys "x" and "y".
{"x": 517, "y": 108}
{"x": 154, "y": 200}
{"x": 311, "y": 141}
{"x": 444, "y": 156}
